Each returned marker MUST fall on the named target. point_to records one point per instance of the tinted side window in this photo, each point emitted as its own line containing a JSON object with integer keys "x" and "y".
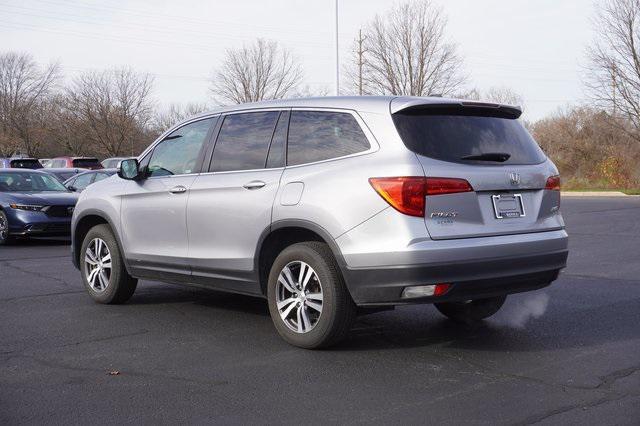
{"x": 318, "y": 135}
{"x": 279, "y": 142}
{"x": 179, "y": 152}
{"x": 243, "y": 142}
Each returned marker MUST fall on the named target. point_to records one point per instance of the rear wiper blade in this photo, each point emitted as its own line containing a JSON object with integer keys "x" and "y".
{"x": 500, "y": 157}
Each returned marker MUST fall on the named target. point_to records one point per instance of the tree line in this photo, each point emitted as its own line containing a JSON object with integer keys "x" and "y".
{"x": 405, "y": 51}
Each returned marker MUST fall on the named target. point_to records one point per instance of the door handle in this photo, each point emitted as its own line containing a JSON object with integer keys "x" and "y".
{"x": 254, "y": 184}
{"x": 178, "y": 189}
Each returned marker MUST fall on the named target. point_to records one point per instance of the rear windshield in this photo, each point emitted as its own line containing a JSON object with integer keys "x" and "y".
{"x": 457, "y": 134}
{"x": 86, "y": 162}
{"x": 26, "y": 164}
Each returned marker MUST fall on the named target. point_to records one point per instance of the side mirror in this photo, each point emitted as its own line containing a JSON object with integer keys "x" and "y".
{"x": 72, "y": 188}
{"x": 128, "y": 169}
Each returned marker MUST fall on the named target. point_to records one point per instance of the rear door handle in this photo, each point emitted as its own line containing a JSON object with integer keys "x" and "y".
{"x": 254, "y": 184}
{"x": 178, "y": 189}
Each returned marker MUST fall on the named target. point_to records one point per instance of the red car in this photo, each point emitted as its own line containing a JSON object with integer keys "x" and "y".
{"x": 90, "y": 163}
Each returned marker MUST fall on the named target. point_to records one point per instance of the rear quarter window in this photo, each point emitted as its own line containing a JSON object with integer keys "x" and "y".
{"x": 452, "y": 135}
{"x": 322, "y": 135}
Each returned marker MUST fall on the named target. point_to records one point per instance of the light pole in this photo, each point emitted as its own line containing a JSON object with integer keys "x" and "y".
{"x": 337, "y": 55}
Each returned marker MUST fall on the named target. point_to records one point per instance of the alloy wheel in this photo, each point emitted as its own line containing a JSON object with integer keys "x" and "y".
{"x": 97, "y": 265}
{"x": 4, "y": 228}
{"x": 299, "y": 296}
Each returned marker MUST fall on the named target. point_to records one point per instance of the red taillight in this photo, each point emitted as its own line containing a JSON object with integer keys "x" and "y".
{"x": 407, "y": 193}
{"x": 441, "y": 289}
{"x": 439, "y": 186}
{"x": 553, "y": 183}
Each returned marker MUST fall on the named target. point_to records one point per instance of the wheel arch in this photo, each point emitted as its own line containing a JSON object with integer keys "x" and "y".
{"x": 284, "y": 233}
{"x": 83, "y": 224}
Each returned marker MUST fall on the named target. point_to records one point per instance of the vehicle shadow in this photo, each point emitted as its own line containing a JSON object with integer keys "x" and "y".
{"x": 592, "y": 326}
{"x": 32, "y": 242}
{"x": 422, "y": 326}
{"x": 168, "y": 294}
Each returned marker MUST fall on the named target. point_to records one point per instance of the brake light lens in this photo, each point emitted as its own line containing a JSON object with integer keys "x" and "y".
{"x": 553, "y": 183}
{"x": 440, "y": 186}
{"x": 407, "y": 193}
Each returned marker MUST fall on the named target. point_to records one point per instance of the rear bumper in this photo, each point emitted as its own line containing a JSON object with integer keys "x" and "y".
{"x": 519, "y": 263}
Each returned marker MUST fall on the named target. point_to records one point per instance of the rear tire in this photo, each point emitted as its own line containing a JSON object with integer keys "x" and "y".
{"x": 103, "y": 272}
{"x": 471, "y": 310}
{"x": 294, "y": 302}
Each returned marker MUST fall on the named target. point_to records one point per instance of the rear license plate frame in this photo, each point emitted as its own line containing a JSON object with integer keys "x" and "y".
{"x": 502, "y": 213}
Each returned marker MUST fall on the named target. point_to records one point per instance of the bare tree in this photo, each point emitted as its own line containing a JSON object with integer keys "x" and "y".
{"x": 497, "y": 94}
{"x": 113, "y": 108}
{"x": 164, "y": 119}
{"x": 24, "y": 87}
{"x": 614, "y": 71}
{"x": 406, "y": 52}
{"x": 263, "y": 70}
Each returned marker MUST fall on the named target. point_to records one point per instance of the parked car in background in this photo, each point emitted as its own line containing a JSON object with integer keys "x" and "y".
{"x": 33, "y": 204}
{"x": 324, "y": 205}
{"x": 19, "y": 163}
{"x": 63, "y": 174}
{"x": 79, "y": 182}
{"x": 46, "y": 162}
{"x": 90, "y": 163}
{"x": 112, "y": 163}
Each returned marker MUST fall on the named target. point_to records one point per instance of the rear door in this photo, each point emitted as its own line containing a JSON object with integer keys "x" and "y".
{"x": 230, "y": 206}
{"x": 488, "y": 147}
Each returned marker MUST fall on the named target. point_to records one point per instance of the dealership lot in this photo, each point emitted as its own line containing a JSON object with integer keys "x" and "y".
{"x": 179, "y": 354}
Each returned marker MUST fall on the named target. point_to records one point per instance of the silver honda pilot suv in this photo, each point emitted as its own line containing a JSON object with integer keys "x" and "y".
{"x": 331, "y": 206}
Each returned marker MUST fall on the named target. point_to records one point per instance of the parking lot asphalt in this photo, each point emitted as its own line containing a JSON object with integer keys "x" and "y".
{"x": 567, "y": 354}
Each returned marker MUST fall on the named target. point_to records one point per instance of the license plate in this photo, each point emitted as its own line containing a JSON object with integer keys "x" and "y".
{"x": 508, "y": 206}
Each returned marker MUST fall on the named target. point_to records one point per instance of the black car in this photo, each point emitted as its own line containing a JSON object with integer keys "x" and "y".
{"x": 33, "y": 204}
{"x": 20, "y": 163}
{"x": 80, "y": 181}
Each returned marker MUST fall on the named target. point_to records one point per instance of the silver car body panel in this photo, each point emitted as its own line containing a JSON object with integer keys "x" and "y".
{"x": 210, "y": 234}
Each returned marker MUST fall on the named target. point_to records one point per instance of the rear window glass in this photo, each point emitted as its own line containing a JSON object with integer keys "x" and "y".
{"x": 86, "y": 162}
{"x": 457, "y": 134}
{"x": 243, "y": 142}
{"x": 26, "y": 164}
{"x": 321, "y": 135}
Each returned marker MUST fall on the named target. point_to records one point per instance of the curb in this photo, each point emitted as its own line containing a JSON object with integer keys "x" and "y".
{"x": 594, "y": 194}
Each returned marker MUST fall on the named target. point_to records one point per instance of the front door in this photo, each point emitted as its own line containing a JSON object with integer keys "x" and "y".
{"x": 153, "y": 214}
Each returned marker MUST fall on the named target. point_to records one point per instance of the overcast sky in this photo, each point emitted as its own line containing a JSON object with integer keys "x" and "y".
{"x": 534, "y": 47}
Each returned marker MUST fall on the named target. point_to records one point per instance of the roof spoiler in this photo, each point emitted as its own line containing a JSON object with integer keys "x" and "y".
{"x": 444, "y": 105}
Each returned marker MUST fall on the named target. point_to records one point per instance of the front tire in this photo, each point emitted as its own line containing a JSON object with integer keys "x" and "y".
{"x": 471, "y": 311}
{"x": 308, "y": 300}
{"x": 4, "y": 229}
{"x": 103, "y": 272}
